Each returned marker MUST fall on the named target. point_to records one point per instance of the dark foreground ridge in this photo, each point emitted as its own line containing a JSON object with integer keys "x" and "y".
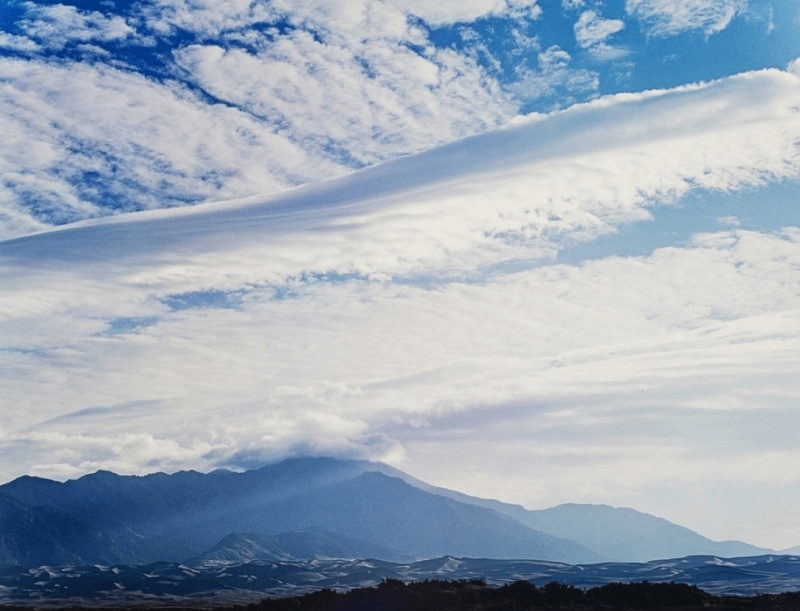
{"x": 476, "y": 595}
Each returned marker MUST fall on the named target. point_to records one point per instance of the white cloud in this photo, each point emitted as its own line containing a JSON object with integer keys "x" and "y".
{"x": 452, "y": 11}
{"x": 80, "y": 140}
{"x": 347, "y": 80}
{"x": 350, "y": 21}
{"x": 577, "y": 173}
{"x": 338, "y": 89}
{"x": 17, "y": 43}
{"x": 670, "y": 17}
{"x": 338, "y": 22}
{"x": 592, "y": 30}
{"x": 794, "y": 67}
{"x": 208, "y": 18}
{"x": 59, "y": 24}
{"x": 553, "y": 59}
{"x": 554, "y": 77}
{"x": 322, "y": 99}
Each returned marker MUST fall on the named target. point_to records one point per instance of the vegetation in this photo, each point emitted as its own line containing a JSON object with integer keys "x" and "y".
{"x": 476, "y": 595}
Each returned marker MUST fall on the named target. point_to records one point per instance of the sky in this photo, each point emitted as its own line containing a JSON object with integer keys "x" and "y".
{"x": 539, "y": 251}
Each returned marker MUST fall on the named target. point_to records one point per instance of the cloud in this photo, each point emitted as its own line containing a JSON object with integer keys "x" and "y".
{"x": 592, "y": 30}
{"x": 554, "y": 77}
{"x": 454, "y": 11}
{"x": 340, "y": 22}
{"x": 668, "y": 18}
{"x": 17, "y": 43}
{"x": 59, "y": 24}
{"x": 731, "y": 221}
{"x": 208, "y": 19}
{"x": 85, "y": 140}
{"x": 292, "y": 92}
{"x": 573, "y": 175}
{"x": 322, "y": 99}
{"x": 794, "y": 67}
{"x": 270, "y": 95}
{"x": 347, "y": 80}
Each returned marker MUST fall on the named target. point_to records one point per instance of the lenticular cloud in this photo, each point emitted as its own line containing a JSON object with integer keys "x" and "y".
{"x": 515, "y": 193}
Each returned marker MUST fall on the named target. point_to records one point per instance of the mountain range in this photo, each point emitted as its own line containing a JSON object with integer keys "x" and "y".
{"x": 307, "y": 508}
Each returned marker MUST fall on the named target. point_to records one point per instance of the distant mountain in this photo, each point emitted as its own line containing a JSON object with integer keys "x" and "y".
{"x": 181, "y": 516}
{"x": 46, "y": 535}
{"x": 619, "y": 534}
{"x": 240, "y": 548}
{"x": 388, "y": 511}
{"x": 627, "y": 535}
{"x": 363, "y": 509}
{"x": 616, "y": 534}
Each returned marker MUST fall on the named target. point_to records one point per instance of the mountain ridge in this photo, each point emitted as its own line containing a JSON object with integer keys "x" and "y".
{"x": 183, "y": 515}
{"x": 188, "y": 514}
{"x": 567, "y": 525}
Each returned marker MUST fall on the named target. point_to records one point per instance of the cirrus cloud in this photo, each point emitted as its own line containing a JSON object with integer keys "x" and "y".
{"x": 668, "y": 18}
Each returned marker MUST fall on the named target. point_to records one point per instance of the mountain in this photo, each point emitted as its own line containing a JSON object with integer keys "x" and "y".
{"x": 46, "y": 535}
{"x": 240, "y": 548}
{"x": 173, "y": 517}
{"x": 619, "y": 534}
{"x": 388, "y": 511}
{"x": 316, "y": 507}
{"x": 627, "y": 535}
{"x": 176, "y": 517}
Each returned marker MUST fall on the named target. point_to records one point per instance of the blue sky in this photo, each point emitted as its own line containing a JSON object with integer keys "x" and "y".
{"x": 540, "y": 251}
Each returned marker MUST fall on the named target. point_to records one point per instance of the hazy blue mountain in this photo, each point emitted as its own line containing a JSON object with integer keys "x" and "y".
{"x": 46, "y": 535}
{"x": 333, "y": 507}
{"x": 388, "y": 511}
{"x": 180, "y": 516}
{"x": 173, "y": 517}
{"x": 624, "y": 534}
{"x": 620, "y": 534}
{"x": 238, "y": 548}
